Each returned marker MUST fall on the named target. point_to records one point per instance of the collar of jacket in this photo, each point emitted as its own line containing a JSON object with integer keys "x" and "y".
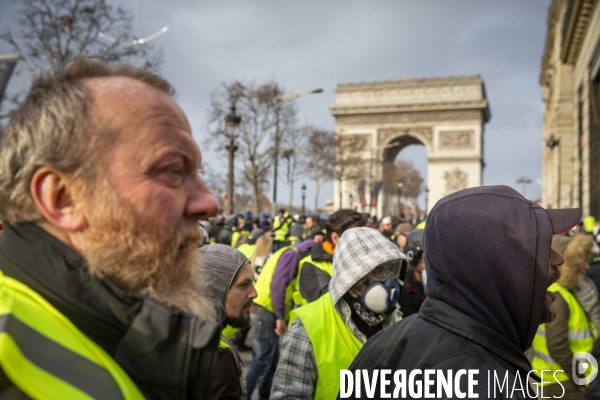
{"x": 318, "y": 253}
{"x": 439, "y": 313}
{"x": 150, "y": 342}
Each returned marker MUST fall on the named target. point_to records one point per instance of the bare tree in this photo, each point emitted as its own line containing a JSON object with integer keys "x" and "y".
{"x": 51, "y": 33}
{"x": 295, "y": 142}
{"x": 216, "y": 183}
{"x": 349, "y": 163}
{"x": 403, "y": 180}
{"x": 319, "y": 154}
{"x": 262, "y": 116}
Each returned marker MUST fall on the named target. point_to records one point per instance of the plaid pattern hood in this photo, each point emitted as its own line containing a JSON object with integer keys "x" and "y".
{"x": 357, "y": 253}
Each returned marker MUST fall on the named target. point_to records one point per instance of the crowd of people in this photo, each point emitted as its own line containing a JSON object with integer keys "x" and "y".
{"x": 119, "y": 279}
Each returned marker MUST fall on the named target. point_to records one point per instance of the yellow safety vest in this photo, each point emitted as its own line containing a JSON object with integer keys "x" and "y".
{"x": 228, "y": 331}
{"x": 281, "y": 228}
{"x": 581, "y": 334}
{"x": 247, "y": 249}
{"x": 263, "y": 284}
{"x": 334, "y": 345}
{"x": 234, "y": 238}
{"x": 47, "y": 357}
{"x": 325, "y": 266}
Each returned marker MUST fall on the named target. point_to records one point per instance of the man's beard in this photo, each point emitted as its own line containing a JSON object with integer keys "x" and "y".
{"x": 549, "y": 314}
{"x": 243, "y": 321}
{"x": 143, "y": 259}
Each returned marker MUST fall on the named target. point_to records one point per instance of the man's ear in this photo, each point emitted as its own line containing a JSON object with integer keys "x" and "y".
{"x": 52, "y": 193}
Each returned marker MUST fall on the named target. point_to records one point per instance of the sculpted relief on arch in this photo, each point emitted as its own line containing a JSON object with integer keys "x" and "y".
{"x": 383, "y": 135}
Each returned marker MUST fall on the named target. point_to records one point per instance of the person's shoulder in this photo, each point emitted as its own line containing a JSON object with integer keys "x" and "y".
{"x": 414, "y": 342}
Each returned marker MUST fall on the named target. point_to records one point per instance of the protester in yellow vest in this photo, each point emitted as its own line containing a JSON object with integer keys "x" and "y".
{"x": 269, "y": 318}
{"x": 240, "y": 235}
{"x": 230, "y": 285}
{"x": 100, "y": 290}
{"x": 247, "y": 243}
{"x": 326, "y": 335}
{"x": 281, "y": 228}
{"x": 315, "y": 270}
{"x": 571, "y": 331}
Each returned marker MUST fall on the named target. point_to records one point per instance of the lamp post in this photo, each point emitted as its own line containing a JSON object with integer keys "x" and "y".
{"x": 524, "y": 180}
{"x": 303, "y": 196}
{"x": 279, "y": 100}
{"x": 232, "y": 123}
{"x": 399, "y": 197}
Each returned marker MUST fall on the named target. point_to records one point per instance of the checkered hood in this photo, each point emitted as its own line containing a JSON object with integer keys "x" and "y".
{"x": 357, "y": 253}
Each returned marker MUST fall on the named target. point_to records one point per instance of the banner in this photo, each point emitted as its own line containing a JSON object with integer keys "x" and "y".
{"x": 361, "y": 193}
{"x": 375, "y": 192}
{"x": 7, "y": 64}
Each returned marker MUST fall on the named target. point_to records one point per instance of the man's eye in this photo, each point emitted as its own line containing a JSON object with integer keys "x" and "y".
{"x": 176, "y": 170}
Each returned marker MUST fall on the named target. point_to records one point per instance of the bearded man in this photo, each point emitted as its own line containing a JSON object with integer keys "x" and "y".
{"x": 99, "y": 289}
{"x": 489, "y": 265}
{"x": 230, "y": 285}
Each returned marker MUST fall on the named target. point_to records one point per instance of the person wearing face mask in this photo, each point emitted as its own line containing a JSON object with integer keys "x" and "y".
{"x": 413, "y": 291}
{"x": 314, "y": 270}
{"x": 325, "y": 335}
{"x": 490, "y": 268}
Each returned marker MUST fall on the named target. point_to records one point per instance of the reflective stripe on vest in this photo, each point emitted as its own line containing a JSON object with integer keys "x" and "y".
{"x": 263, "y": 284}
{"x": 325, "y": 266}
{"x": 46, "y": 356}
{"x": 581, "y": 335}
{"x": 334, "y": 345}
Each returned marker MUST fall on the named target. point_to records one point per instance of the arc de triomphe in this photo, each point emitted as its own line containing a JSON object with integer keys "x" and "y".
{"x": 446, "y": 115}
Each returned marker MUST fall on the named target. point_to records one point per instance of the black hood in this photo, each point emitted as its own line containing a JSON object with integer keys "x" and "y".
{"x": 487, "y": 252}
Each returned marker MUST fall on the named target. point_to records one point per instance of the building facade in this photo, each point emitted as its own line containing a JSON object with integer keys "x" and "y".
{"x": 570, "y": 80}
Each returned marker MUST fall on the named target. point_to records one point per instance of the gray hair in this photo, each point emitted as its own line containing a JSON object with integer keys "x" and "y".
{"x": 52, "y": 127}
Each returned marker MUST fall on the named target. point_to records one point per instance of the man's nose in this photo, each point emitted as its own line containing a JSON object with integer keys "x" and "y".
{"x": 201, "y": 204}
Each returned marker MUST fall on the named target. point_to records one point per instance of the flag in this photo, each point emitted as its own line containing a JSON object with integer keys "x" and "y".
{"x": 375, "y": 192}
{"x": 361, "y": 192}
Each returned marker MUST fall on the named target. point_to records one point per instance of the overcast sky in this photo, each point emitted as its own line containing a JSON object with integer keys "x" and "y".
{"x": 305, "y": 45}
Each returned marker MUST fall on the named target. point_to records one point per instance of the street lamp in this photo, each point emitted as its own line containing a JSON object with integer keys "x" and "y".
{"x": 399, "y": 197}
{"x": 524, "y": 180}
{"x": 232, "y": 123}
{"x": 303, "y": 196}
{"x": 279, "y": 100}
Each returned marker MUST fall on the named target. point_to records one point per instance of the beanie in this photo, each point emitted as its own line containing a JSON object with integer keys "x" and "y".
{"x": 221, "y": 265}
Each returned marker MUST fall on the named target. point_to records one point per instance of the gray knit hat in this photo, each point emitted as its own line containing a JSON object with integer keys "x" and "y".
{"x": 221, "y": 264}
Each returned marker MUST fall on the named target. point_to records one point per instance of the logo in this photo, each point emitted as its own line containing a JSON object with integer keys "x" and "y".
{"x": 584, "y": 368}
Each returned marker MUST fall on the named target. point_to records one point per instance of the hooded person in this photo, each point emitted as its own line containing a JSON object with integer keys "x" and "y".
{"x": 489, "y": 262}
{"x": 229, "y": 280}
{"x": 315, "y": 269}
{"x": 577, "y": 311}
{"x": 325, "y": 335}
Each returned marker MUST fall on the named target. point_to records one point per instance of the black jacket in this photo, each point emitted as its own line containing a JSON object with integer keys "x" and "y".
{"x": 459, "y": 342}
{"x": 169, "y": 355}
{"x": 412, "y": 295}
{"x": 313, "y": 282}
